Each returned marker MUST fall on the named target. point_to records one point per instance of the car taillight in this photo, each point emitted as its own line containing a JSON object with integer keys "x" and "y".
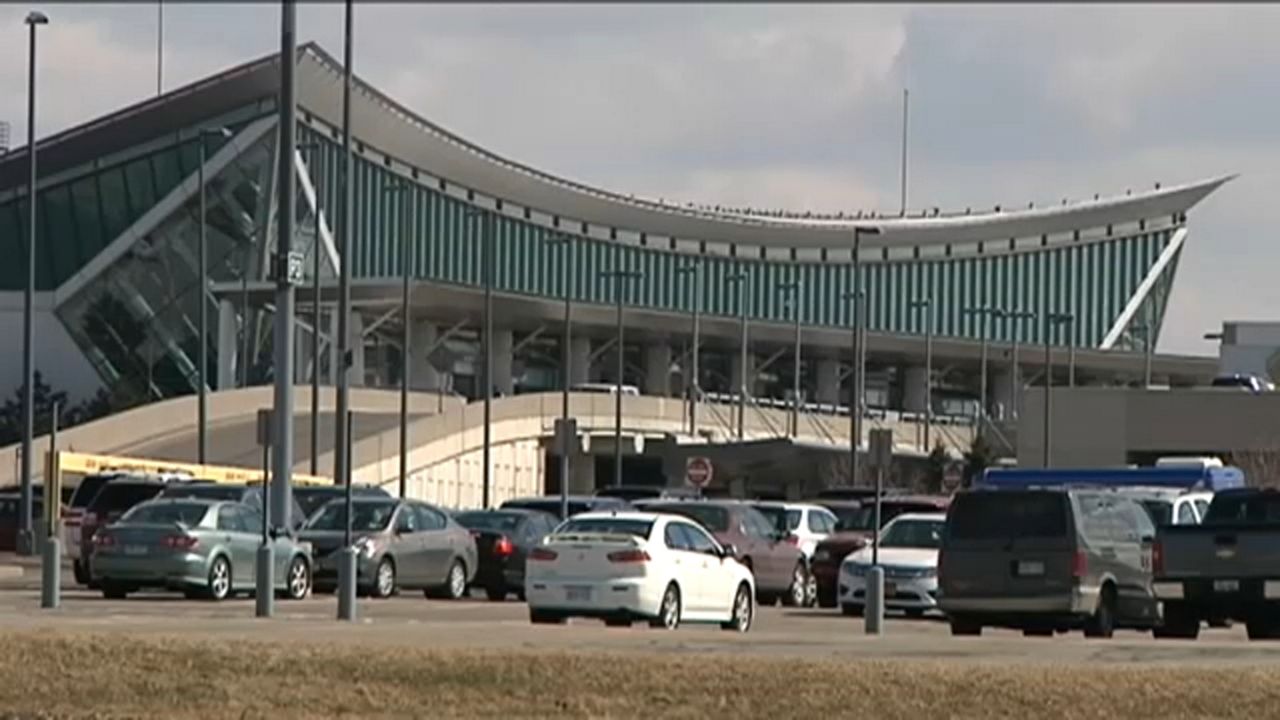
{"x": 542, "y": 554}
{"x": 625, "y": 556}
{"x": 1157, "y": 559}
{"x": 1079, "y": 565}
{"x": 503, "y": 547}
{"x": 179, "y": 542}
{"x": 102, "y": 540}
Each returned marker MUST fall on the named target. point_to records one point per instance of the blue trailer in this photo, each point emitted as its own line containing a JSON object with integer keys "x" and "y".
{"x": 1211, "y": 479}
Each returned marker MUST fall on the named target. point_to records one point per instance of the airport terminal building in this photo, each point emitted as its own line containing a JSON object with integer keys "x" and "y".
{"x": 119, "y": 294}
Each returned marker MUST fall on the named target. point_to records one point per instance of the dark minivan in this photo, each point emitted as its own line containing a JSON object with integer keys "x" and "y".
{"x": 1042, "y": 560}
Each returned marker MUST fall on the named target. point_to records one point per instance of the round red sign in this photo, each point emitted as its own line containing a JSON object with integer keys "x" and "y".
{"x": 698, "y": 471}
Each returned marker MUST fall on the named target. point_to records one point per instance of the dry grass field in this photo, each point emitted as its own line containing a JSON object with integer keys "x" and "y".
{"x": 63, "y": 674}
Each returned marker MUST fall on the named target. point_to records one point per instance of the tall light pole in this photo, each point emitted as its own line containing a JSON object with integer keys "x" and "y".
{"x": 986, "y": 314}
{"x": 315, "y": 331}
{"x": 858, "y": 296}
{"x": 926, "y": 305}
{"x": 692, "y": 384}
{"x": 1013, "y": 316}
{"x": 618, "y": 276}
{"x": 1051, "y": 321}
{"x": 342, "y": 416}
{"x": 566, "y": 362}
{"x": 745, "y": 375}
{"x": 401, "y": 189}
{"x": 486, "y": 220}
{"x": 26, "y": 537}
{"x": 793, "y": 289}
{"x": 202, "y": 386}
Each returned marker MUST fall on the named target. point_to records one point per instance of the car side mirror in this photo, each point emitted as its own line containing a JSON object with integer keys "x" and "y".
{"x": 728, "y": 551}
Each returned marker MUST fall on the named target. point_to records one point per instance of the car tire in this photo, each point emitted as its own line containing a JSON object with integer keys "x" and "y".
{"x": 496, "y": 594}
{"x": 827, "y": 600}
{"x": 542, "y": 617}
{"x": 384, "y": 579}
{"x": 1262, "y": 629}
{"x": 669, "y": 610}
{"x": 1102, "y": 624}
{"x": 965, "y": 627}
{"x": 851, "y": 610}
{"x": 810, "y": 589}
{"x": 298, "y": 579}
{"x": 114, "y": 591}
{"x": 218, "y": 585}
{"x": 1178, "y": 624}
{"x": 80, "y": 572}
{"x": 743, "y": 613}
{"x": 798, "y": 590}
{"x": 914, "y": 613}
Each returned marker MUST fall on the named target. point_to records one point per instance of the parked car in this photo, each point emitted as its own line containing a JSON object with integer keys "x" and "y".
{"x": 1167, "y": 506}
{"x": 73, "y": 515}
{"x": 312, "y": 497}
{"x": 117, "y": 496}
{"x": 852, "y": 533}
{"x": 1223, "y": 568}
{"x": 1048, "y": 559}
{"x": 250, "y": 495}
{"x": 779, "y": 567}
{"x": 399, "y": 544}
{"x": 577, "y": 504}
{"x": 805, "y": 525}
{"x": 630, "y": 566}
{"x": 503, "y": 540}
{"x": 631, "y": 493}
{"x": 908, "y": 555}
{"x": 203, "y": 548}
{"x": 9, "y": 522}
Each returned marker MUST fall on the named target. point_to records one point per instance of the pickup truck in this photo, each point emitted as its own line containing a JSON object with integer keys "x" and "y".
{"x": 1228, "y": 567}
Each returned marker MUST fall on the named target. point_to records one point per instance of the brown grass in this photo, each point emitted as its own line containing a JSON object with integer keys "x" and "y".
{"x": 65, "y": 675}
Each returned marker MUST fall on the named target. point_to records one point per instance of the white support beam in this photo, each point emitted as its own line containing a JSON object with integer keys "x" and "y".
{"x": 1144, "y": 289}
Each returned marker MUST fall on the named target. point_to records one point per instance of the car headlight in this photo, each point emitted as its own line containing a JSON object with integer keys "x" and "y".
{"x": 855, "y": 569}
{"x": 364, "y": 547}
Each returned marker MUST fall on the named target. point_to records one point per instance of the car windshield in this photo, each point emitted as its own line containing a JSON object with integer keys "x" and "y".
{"x": 926, "y": 534}
{"x": 1244, "y": 509}
{"x": 365, "y": 516}
{"x": 1160, "y": 511}
{"x": 165, "y": 513}
{"x": 497, "y": 521}
{"x": 715, "y": 519}
{"x": 212, "y": 492}
{"x": 123, "y": 495}
{"x": 88, "y": 489}
{"x": 610, "y": 526}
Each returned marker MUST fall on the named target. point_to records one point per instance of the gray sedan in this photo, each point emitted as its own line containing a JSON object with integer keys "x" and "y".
{"x": 399, "y": 544}
{"x": 205, "y": 548}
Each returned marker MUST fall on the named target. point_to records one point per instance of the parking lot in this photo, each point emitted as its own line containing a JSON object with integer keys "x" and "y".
{"x": 411, "y": 620}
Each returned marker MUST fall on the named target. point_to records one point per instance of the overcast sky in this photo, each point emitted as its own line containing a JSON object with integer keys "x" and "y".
{"x": 781, "y": 106}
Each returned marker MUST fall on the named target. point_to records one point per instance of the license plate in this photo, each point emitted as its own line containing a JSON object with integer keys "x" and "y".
{"x": 577, "y": 594}
{"x": 1030, "y": 568}
{"x": 1226, "y": 586}
{"x": 135, "y": 549}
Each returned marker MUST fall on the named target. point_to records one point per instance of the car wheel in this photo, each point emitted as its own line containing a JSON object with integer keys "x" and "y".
{"x": 384, "y": 579}
{"x": 669, "y": 611}
{"x": 965, "y": 626}
{"x": 1261, "y": 629}
{"x": 798, "y": 591}
{"x": 299, "y": 579}
{"x": 495, "y": 593}
{"x": 542, "y": 617}
{"x": 456, "y": 586}
{"x": 114, "y": 591}
{"x": 850, "y": 610}
{"x": 743, "y": 611}
{"x": 810, "y": 590}
{"x": 1103, "y": 622}
{"x": 219, "y": 585}
{"x": 1177, "y": 624}
{"x": 914, "y": 613}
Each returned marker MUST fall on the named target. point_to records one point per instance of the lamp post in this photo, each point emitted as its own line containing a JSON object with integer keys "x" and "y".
{"x": 926, "y": 304}
{"x": 859, "y": 351}
{"x": 694, "y": 388}
{"x": 1012, "y": 316}
{"x": 342, "y": 416}
{"x": 986, "y": 315}
{"x": 486, "y": 244}
{"x": 1051, "y": 321}
{"x": 26, "y": 537}
{"x": 566, "y": 361}
{"x": 315, "y": 333}
{"x": 793, "y": 289}
{"x": 401, "y": 189}
{"x": 618, "y": 276}
{"x": 202, "y": 404}
{"x": 744, "y": 379}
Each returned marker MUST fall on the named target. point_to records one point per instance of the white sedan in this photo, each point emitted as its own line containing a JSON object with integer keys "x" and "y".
{"x": 628, "y": 566}
{"x": 909, "y": 556}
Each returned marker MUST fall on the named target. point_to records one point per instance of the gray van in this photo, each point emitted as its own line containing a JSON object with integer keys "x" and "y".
{"x": 1042, "y": 560}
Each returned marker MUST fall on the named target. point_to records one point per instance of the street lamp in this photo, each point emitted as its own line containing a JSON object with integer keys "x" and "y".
{"x": 618, "y": 276}
{"x": 486, "y": 243}
{"x": 859, "y": 351}
{"x": 1015, "y": 315}
{"x": 315, "y": 331}
{"x": 740, "y": 279}
{"x": 793, "y": 288}
{"x": 987, "y": 314}
{"x": 926, "y": 304}
{"x": 342, "y": 417}
{"x": 202, "y": 406}
{"x": 401, "y": 189}
{"x": 1051, "y": 320}
{"x": 694, "y": 388}
{"x": 26, "y": 537}
{"x": 566, "y": 360}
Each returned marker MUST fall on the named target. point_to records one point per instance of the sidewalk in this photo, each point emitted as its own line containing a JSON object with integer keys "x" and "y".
{"x": 13, "y": 565}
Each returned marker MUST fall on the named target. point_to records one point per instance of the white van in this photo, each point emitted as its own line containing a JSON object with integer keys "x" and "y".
{"x": 605, "y": 388}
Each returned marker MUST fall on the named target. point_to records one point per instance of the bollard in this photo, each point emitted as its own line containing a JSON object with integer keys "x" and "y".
{"x": 347, "y": 584}
{"x": 51, "y": 573}
{"x": 874, "y": 610}
{"x": 266, "y": 591}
